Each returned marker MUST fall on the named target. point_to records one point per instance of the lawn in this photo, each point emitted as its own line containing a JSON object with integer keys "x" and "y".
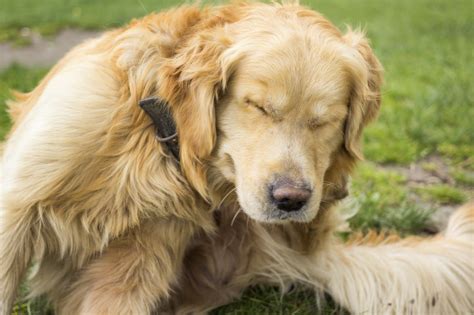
{"x": 420, "y": 153}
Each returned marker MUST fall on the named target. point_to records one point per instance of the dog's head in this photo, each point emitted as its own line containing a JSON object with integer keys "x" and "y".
{"x": 276, "y": 100}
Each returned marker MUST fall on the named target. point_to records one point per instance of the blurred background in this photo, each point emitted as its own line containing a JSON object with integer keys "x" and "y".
{"x": 419, "y": 154}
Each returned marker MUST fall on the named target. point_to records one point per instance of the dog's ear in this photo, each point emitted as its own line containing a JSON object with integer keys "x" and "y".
{"x": 192, "y": 81}
{"x": 364, "y": 102}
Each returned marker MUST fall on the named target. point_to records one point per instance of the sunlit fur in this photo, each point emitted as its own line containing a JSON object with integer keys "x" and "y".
{"x": 116, "y": 226}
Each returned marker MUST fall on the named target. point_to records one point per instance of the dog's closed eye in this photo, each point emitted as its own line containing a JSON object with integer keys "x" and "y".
{"x": 317, "y": 123}
{"x": 257, "y": 106}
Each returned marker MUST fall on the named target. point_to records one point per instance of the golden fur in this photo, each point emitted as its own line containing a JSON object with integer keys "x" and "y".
{"x": 258, "y": 91}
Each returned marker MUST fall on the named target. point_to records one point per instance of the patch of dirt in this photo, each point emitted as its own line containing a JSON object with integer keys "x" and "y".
{"x": 431, "y": 170}
{"x": 43, "y": 52}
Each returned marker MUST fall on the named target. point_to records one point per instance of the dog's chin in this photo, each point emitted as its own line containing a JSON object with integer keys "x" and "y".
{"x": 273, "y": 215}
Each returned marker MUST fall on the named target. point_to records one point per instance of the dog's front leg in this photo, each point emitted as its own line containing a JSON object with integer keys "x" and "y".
{"x": 135, "y": 274}
{"x": 15, "y": 252}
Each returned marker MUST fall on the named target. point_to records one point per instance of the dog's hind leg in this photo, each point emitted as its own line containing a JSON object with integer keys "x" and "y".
{"x": 135, "y": 273}
{"x": 376, "y": 275}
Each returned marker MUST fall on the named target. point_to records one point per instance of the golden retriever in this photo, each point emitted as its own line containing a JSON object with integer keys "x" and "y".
{"x": 269, "y": 101}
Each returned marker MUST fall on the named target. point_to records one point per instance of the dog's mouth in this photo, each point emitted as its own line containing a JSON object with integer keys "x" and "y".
{"x": 281, "y": 216}
{"x": 277, "y": 216}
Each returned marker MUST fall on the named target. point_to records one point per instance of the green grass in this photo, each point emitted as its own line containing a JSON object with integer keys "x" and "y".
{"x": 443, "y": 194}
{"x": 464, "y": 177}
{"x": 461, "y": 153}
{"x": 426, "y": 48}
{"x": 268, "y": 300}
{"x": 48, "y": 17}
{"x": 382, "y": 197}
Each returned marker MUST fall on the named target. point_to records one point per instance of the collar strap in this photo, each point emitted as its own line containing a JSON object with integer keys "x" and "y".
{"x": 165, "y": 126}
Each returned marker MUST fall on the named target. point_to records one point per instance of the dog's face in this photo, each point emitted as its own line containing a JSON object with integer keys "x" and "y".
{"x": 279, "y": 124}
{"x": 294, "y": 95}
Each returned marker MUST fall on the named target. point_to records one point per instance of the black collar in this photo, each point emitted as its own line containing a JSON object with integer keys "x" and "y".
{"x": 165, "y": 126}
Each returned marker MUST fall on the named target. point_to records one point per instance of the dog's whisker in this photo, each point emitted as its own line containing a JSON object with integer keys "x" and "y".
{"x": 235, "y": 217}
{"x": 226, "y": 196}
{"x": 247, "y": 223}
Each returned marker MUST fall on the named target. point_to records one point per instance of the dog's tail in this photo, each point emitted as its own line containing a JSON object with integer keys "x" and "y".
{"x": 388, "y": 275}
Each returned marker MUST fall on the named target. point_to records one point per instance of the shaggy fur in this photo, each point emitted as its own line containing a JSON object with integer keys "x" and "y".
{"x": 258, "y": 92}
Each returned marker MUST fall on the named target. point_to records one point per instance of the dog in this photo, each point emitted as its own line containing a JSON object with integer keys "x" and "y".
{"x": 269, "y": 102}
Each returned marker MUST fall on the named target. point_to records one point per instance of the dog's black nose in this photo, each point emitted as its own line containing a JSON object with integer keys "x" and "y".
{"x": 289, "y": 196}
